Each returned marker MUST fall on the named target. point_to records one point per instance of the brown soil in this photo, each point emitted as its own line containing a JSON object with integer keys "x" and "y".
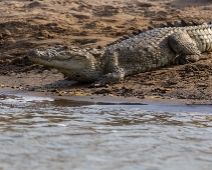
{"x": 29, "y": 24}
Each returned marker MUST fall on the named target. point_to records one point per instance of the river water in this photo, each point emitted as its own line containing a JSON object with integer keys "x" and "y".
{"x": 45, "y": 133}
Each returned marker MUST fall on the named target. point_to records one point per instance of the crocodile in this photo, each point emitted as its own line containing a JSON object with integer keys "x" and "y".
{"x": 145, "y": 51}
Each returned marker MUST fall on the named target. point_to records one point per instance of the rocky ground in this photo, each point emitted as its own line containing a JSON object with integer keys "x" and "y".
{"x": 29, "y": 24}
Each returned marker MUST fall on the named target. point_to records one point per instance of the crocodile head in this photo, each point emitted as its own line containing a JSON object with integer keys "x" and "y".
{"x": 75, "y": 63}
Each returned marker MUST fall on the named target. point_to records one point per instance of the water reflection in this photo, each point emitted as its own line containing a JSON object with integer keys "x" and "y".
{"x": 61, "y": 134}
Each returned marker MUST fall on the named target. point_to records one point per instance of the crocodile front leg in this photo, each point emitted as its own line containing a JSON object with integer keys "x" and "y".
{"x": 185, "y": 47}
{"x": 113, "y": 70}
{"x": 116, "y": 75}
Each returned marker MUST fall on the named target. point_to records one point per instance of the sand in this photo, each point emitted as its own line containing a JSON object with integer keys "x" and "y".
{"x": 41, "y": 24}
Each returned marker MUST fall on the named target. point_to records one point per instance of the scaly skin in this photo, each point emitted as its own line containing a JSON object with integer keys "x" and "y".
{"x": 140, "y": 53}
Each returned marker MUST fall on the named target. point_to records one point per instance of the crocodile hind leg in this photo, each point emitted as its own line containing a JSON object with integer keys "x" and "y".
{"x": 185, "y": 48}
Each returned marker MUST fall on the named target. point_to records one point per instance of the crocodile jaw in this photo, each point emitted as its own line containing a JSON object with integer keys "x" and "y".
{"x": 75, "y": 64}
{"x": 57, "y": 60}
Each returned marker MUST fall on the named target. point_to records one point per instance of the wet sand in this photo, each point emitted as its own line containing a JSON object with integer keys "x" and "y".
{"x": 43, "y": 24}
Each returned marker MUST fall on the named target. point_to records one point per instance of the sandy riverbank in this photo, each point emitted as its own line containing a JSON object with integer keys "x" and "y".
{"x": 26, "y": 24}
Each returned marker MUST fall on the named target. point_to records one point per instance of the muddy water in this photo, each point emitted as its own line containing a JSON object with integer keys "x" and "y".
{"x": 45, "y": 133}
